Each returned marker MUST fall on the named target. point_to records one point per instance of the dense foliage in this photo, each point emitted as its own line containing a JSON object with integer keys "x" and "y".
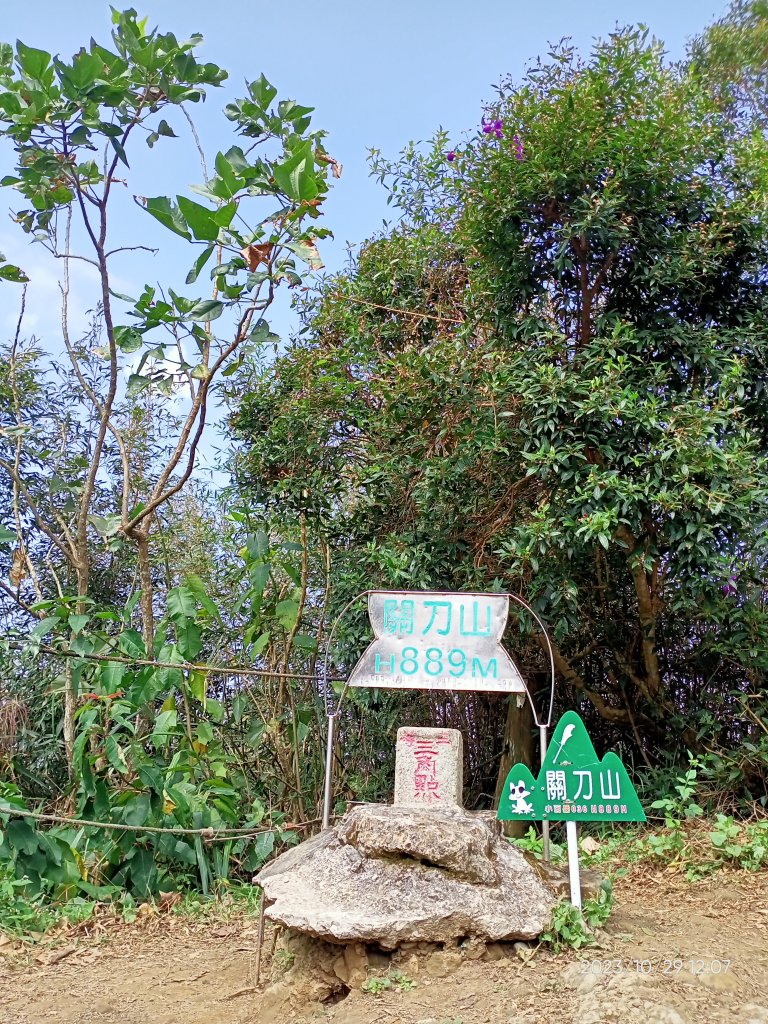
{"x": 549, "y": 378}
{"x": 111, "y": 705}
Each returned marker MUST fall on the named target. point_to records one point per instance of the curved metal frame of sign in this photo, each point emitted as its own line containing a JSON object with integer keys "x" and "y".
{"x": 332, "y": 716}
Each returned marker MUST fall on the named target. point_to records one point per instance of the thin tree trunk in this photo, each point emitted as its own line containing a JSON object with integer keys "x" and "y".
{"x": 141, "y": 537}
{"x": 517, "y": 748}
{"x": 70, "y": 693}
{"x": 70, "y": 703}
{"x": 147, "y": 590}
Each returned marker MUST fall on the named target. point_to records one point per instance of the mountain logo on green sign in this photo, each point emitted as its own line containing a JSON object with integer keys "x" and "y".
{"x": 574, "y": 784}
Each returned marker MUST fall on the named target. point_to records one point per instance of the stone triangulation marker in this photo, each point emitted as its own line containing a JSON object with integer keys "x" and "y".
{"x": 574, "y": 784}
{"x": 429, "y": 768}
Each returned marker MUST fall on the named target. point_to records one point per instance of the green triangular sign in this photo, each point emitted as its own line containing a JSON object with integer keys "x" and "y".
{"x": 573, "y": 783}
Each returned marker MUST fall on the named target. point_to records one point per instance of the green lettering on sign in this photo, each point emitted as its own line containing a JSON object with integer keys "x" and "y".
{"x": 574, "y": 784}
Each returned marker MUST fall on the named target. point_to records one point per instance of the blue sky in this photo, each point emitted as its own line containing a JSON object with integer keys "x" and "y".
{"x": 378, "y": 74}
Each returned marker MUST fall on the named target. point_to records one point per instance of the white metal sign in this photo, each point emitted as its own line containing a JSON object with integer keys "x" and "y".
{"x": 431, "y": 640}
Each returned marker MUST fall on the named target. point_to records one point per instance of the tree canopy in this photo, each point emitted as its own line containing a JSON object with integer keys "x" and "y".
{"x": 548, "y": 378}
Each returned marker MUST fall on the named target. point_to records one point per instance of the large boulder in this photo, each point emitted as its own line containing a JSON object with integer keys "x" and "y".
{"x": 388, "y": 875}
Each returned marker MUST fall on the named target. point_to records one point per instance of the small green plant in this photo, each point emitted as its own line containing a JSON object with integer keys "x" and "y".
{"x": 21, "y": 913}
{"x": 533, "y": 843}
{"x": 744, "y": 846}
{"x": 395, "y": 979}
{"x": 375, "y": 986}
{"x": 567, "y": 928}
{"x": 679, "y": 807}
{"x": 597, "y": 911}
{"x": 283, "y": 959}
{"x": 682, "y": 806}
{"x": 402, "y": 981}
{"x": 571, "y": 928}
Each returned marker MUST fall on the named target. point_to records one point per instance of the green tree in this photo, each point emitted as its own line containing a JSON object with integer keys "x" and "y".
{"x": 550, "y": 379}
{"x": 73, "y": 128}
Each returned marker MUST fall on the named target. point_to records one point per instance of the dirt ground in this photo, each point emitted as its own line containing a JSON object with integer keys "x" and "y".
{"x": 674, "y": 953}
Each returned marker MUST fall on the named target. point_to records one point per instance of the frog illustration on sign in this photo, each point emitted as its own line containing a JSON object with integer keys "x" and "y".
{"x": 518, "y": 791}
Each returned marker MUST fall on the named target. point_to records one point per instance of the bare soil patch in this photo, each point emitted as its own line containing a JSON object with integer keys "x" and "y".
{"x": 674, "y": 953}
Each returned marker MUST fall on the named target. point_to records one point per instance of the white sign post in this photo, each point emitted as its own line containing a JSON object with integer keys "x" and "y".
{"x": 574, "y": 880}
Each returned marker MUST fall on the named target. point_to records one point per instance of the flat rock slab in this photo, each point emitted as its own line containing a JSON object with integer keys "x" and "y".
{"x": 388, "y": 875}
{"x": 460, "y": 843}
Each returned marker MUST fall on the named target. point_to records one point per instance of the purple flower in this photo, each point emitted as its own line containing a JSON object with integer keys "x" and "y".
{"x": 517, "y": 145}
{"x": 729, "y": 588}
{"x": 450, "y": 156}
{"x": 493, "y": 127}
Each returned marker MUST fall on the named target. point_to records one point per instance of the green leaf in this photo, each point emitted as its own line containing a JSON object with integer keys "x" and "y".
{"x": 45, "y": 626}
{"x": 287, "y": 612}
{"x": 21, "y": 836}
{"x": 215, "y": 710}
{"x": 263, "y": 846}
{"x": 262, "y": 334}
{"x": 198, "y": 685}
{"x": 85, "y": 69}
{"x": 15, "y": 275}
{"x": 257, "y": 543}
{"x": 169, "y": 215}
{"x": 259, "y": 577}
{"x": 7, "y": 536}
{"x": 115, "y": 755}
{"x": 77, "y": 623}
{"x": 296, "y": 177}
{"x": 184, "y": 852}
{"x": 189, "y": 640}
{"x": 105, "y": 526}
{"x": 165, "y": 130}
{"x": 31, "y": 61}
{"x": 230, "y": 183}
{"x": 200, "y": 219}
{"x": 202, "y": 866}
{"x": 118, "y": 148}
{"x": 205, "y": 732}
{"x": 128, "y": 339}
{"x": 259, "y": 644}
{"x": 166, "y": 724}
{"x": 205, "y": 310}
{"x": 102, "y": 893}
{"x": 306, "y": 643}
{"x": 137, "y": 383}
{"x": 131, "y": 643}
{"x": 262, "y": 92}
{"x": 200, "y": 262}
{"x": 181, "y": 604}
{"x": 112, "y": 673}
{"x": 197, "y": 587}
{"x": 307, "y": 251}
{"x": 142, "y": 868}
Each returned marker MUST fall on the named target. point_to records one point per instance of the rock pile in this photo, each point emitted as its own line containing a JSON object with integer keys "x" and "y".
{"x": 385, "y": 875}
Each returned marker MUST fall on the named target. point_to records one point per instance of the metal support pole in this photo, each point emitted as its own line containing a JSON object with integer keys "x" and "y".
{"x": 545, "y": 824}
{"x": 260, "y": 936}
{"x": 327, "y": 792}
